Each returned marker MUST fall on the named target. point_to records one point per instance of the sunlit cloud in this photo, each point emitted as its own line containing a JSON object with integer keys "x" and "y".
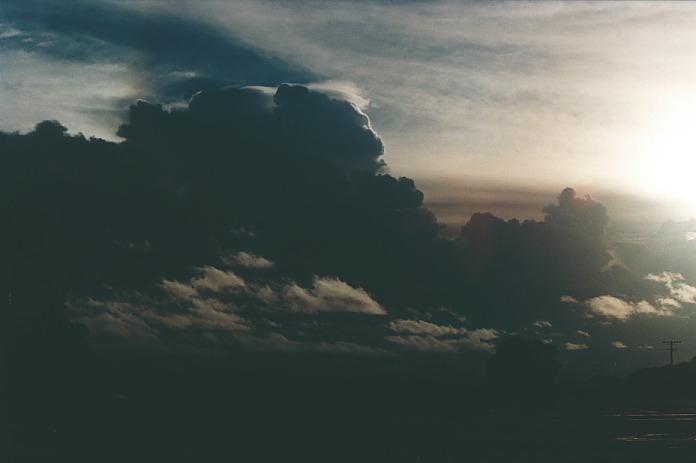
{"x": 680, "y": 291}
{"x": 542, "y": 324}
{"x": 569, "y": 299}
{"x": 331, "y": 295}
{"x": 614, "y": 308}
{"x": 575, "y": 346}
{"x": 429, "y": 337}
{"x": 248, "y": 260}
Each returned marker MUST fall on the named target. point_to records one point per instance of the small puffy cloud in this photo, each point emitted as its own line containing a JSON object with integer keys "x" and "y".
{"x": 142, "y": 320}
{"x": 680, "y": 291}
{"x": 683, "y": 292}
{"x": 569, "y": 299}
{"x": 583, "y": 333}
{"x": 248, "y": 260}
{"x": 429, "y": 337}
{"x": 331, "y": 295}
{"x": 481, "y": 338}
{"x": 211, "y": 279}
{"x": 646, "y": 346}
{"x": 113, "y": 321}
{"x": 665, "y": 277}
{"x": 180, "y": 290}
{"x": 619, "y": 345}
{"x": 668, "y": 302}
{"x": 542, "y": 324}
{"x": 423, "y": 327}
{"x": 613, "y": 307}
{"x": 147, "y": 319}
{"x": 574, "y": 346}
{"x": 216, "y": 280}
{"x": 266, "y": 295}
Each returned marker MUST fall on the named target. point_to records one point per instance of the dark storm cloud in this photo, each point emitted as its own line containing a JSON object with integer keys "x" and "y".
{"x": 180, "y": 56}
{"x": 264, "y": 220}
{"x": 584, "y": 214}
{"x": 243, "y": 202}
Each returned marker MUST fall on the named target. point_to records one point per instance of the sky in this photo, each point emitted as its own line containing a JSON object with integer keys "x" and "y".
{"x": 366, "y": 178}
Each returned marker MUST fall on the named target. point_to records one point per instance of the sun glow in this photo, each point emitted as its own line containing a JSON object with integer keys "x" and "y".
{"x": 668, "y": 150}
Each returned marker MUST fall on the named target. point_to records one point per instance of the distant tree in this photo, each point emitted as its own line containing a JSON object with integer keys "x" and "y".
{"x": 522, "y": 370}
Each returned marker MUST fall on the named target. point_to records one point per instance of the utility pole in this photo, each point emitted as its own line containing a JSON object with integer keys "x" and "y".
{"x": 671, "y": 350}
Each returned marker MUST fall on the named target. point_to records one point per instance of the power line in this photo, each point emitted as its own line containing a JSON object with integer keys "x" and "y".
{"x": 671, "y": 350}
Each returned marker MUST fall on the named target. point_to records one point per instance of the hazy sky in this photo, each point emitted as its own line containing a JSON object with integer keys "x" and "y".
{"x": 488, "y": 107}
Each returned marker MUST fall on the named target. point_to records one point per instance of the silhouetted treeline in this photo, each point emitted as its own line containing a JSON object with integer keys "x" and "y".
{"x": 658, "y": 383}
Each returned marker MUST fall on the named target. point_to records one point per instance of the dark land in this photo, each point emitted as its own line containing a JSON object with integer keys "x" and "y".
{"x": 175, "y": 408}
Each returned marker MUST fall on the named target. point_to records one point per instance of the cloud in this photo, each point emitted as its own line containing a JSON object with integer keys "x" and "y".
{"x": 211, "y": 279}
{"x": 665, "y": 277}
{"x": 216, "y": 280}
{"x": 574, "y": 212}
{"x": 253, "y": 204}
{"x": 583, "y": 333}
{"x": 170, "y": 45}
{"x": 248, "y": 260}
{"x": 542, "y": 324}
{"x": 619, "y": 345}
{"x": 680, "y": 291}
{"x": 114, "y": 321}
{"x": 429, "y": 337}
{"x": 575, "y": 346}
{"x": 423, "y": 327}
{"x": 613, "y": 307}
{"x": 331, "y": 295}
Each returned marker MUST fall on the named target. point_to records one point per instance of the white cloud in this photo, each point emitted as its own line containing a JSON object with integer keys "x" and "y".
{"x": 84, "y": 97}
{"x": 583, "y": 333}
{"x": 426, "y": 336}
{"x": 619, "y": 345}
{"x": 343, "y": 90}
{"x": 665, "y": 277}
{"x": 331, "y": 295}
{"x": 249, "y": 260}
{"x": 114, "y": 321}
{"x": 569, "y": 299}
{"x": 542, "y": 324}
{"x": 216, "y": 280}
{"x": 423, "y": 327}
{"x": 180, "y": 290}
{"x": 574, "y": 346}
{"x": 211, "y": 279}
{"x": 680, "y": 291}
{"x": 683, "y": 292}
{"x": 613, "y": 307}
{"x": 668, "y": 302}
